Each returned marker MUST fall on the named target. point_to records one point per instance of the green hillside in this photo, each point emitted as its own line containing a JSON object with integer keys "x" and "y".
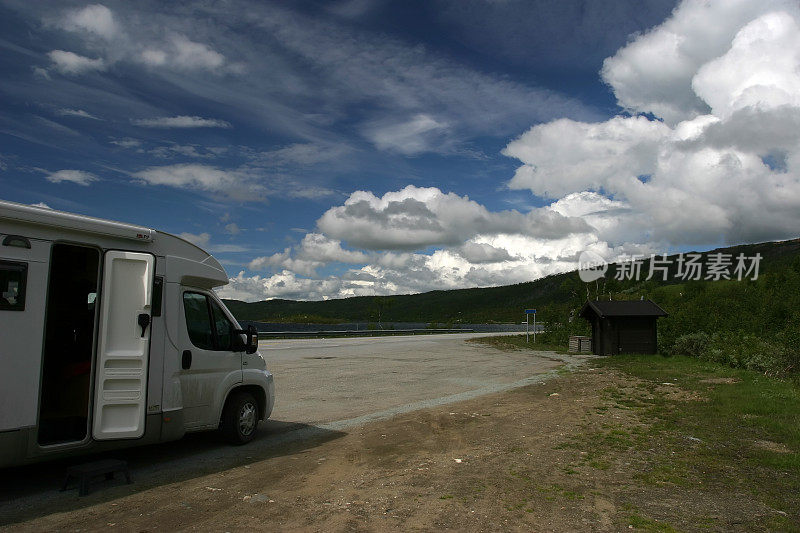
{"x": 748, "y": 323}
{"x": 483, "y": 305}
{"x": 550, "y": 295}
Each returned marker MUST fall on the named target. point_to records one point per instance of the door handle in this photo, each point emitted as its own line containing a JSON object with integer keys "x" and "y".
{"x": 143, "y": 320}
{"x": 186, "y": 360}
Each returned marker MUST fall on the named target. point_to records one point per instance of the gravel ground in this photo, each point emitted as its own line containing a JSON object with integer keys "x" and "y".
{"x": 325, "y": 387}
{"x": 508, "y": 461}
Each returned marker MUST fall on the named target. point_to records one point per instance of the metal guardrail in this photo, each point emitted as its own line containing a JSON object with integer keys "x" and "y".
{"x": 357, "y": 333}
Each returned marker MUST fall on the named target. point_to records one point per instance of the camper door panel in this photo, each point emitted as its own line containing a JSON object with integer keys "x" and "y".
{"x": 122, "y": 357}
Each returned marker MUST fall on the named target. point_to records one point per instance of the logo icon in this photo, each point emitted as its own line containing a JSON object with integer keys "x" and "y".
{"x": 591, "y": 266}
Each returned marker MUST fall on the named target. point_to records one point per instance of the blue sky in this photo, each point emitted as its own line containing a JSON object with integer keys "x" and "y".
{"x": 329, "y": 149}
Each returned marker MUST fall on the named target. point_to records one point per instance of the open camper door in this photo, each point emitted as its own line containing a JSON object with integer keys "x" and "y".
{"x": 124, "y": 339}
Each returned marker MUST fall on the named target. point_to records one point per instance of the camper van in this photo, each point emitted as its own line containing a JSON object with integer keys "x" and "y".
{"x": 111, "y": 336}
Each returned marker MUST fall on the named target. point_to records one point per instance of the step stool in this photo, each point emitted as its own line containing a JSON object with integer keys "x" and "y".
{"x": 85, "y": 472}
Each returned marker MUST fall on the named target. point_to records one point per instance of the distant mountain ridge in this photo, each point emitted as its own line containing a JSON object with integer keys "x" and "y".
{"x": 552, "y": 296}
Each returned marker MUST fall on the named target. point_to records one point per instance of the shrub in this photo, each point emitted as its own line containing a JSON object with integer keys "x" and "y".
{"x": 740, "y": 350}
{"x": 691, "y": 344}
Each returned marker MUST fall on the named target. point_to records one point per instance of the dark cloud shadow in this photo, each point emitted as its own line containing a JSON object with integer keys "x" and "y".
{"x": 32, "y": 491}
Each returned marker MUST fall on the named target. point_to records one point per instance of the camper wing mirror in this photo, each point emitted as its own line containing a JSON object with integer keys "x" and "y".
{"x": 252, "y": 338}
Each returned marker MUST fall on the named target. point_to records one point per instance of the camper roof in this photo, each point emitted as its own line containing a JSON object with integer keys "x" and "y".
{"x": 185, "y": 263}
{"x": 50, "y": 217}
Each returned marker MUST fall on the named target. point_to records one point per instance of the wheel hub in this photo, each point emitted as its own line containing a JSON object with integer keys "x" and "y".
{"x": 247, "y": 419}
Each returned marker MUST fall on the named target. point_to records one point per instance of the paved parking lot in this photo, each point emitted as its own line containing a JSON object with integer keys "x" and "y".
{"x": 320, "y": 381}
{"x": 324, "y": 387}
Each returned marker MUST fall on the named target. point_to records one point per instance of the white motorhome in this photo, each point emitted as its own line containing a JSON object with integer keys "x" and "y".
{"x": 111, "y": 336}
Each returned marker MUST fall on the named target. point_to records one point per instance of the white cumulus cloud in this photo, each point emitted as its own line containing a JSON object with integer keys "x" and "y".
{"x": 724, "y": 165}
{"x": 480, "y": 247}
{"x": 653, "y": 73}
{"x": 178, "y": 51}
{"x": 205, "y": 178}
{"x": 66, "y": 112}
{"x": 421, "y": 133}
{"x": 245, "y": 183}
{"x": 285, "y": 284}
{"x": 79, "y": 177}
{"x": 313, "y": 252}
{"x": 181, "y": 121}
{"x": 145, "y": 40}
{"x": 484, "y": 261}
{"x": 71, "y": 63}
{"x": 769, "y": 48}
{"x": 303, "y": 154}
{"x": 95, "y": 19}
{"x": 564, "y": 156}
{"x": 318, "y": 247}
{"x": 417, "y": 217}
{"x": 481, "y": 252}
{"x": 193, "y": 55}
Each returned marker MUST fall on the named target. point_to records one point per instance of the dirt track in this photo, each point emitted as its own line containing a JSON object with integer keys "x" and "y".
{"x": 510, "y": 461}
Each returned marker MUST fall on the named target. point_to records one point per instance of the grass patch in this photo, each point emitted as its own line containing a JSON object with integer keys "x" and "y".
{"x": 599, "y": 464}
{"x": 518, "y": 342}
{"x": 646, "y": 524}
{"x": 716, "y": 428}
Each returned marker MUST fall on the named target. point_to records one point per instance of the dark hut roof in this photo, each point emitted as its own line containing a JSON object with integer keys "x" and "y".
{"x": 622, "y": 308}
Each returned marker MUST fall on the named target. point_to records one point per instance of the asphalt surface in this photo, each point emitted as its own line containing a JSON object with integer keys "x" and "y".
{"x": 320, "y": 381}
{"x": 323, "y": 387}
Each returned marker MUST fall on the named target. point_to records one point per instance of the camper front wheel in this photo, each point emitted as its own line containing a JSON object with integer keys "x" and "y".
{"x": 240, "y": 418}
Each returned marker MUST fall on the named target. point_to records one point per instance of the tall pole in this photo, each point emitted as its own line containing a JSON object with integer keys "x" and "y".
{"x": 526, "y": 329}
{"x": 534, "y": 328}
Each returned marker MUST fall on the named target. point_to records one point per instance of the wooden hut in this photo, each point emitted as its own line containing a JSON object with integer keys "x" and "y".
{"x": 623, "y": 326}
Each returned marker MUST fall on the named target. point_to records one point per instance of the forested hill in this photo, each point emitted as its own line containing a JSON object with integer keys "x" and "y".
{"x": 480, "y": 305}
{"x": 553, "y": 296}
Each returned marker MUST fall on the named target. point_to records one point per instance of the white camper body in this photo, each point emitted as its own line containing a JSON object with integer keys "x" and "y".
{"x": 111, "y": 336}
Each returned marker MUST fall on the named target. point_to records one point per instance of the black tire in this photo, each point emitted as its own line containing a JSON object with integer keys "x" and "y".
{"x": 240, "y": 416}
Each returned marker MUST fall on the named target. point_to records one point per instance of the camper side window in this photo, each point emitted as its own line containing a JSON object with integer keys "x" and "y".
{"x": 224, "y": 328}
{"x": 198, "y": 320}
{"x": 13, "y": 278}
{"x": 208, "y": 326}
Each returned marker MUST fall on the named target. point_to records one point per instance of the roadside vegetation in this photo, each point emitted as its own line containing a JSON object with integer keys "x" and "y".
{"x": 726, "y": 429}
{"x": 518, "y": 342}
{"x": 747, "y": 324}
{"x": 690, "y": 424}
{"x": 304, "y": 319}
